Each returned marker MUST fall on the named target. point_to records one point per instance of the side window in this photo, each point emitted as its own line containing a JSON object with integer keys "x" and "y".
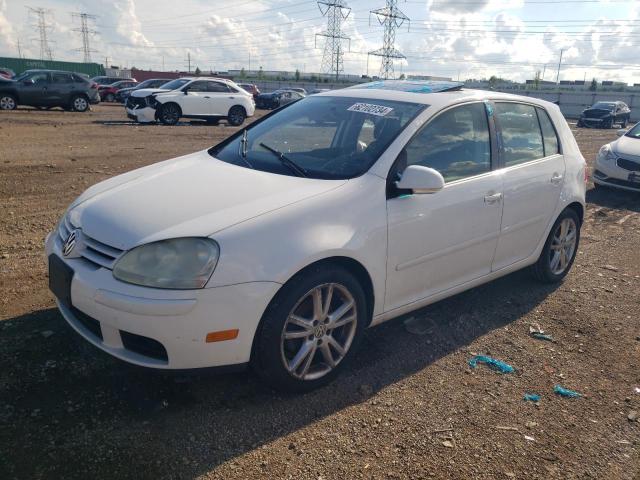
{"x": 551, "y": 144}
{"x": 520, "y": 133}
{"x": 198, "y": 87}
{"x": 456, "y": 143}
{"x": 38, "y": 78}
{"x": 217, "y": 87}
{"x": 61, "y": 78}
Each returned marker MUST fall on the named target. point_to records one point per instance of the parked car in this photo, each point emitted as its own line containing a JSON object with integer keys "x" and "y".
{"x": 277, "y": 98}
{"x": 206, "y": 98}
{"x": 299, "y": 90}
{"x": 319, "y": 90}
{"x": 108, "y": 92}
{"x": 123, "y": 93}
{"x": 618, "y": 162}
{"x": 251, "y": 88}
{"x": 279, "y": 246}
{"x": 7, "y": 73}
{"x": 605, "y": 115}
{"x": 47, "y": 89}
{"x": 102, "y": 80}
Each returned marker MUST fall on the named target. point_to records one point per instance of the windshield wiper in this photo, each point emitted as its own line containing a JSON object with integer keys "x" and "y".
{"x": 244, "y": 141}
{"x": 293, "y": 166}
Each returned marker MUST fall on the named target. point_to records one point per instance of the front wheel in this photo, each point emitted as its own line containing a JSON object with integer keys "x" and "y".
{"x": 560, "y": 249}
{"x": 170, "y": 114}
{"x": 311, "y": 329}
{"x": 8, "y": 102}
{"x": 79, "y": 103}
{"x": 237, "y": 115}
{"x": 623, "y": 123}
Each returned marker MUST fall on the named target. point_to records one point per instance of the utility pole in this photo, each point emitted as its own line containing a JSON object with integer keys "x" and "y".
{"x": 336, "y": 11}
{"x": 19, "y": 49}
{"x": 163, "y": 62}
{"x": 43, "y": 30}
{"x": 544, "y": 69}
{"x": 392, "y": 18}
{"x": 559, "y": 65}
{"x": 106, "y": 62}
{"x": 189, "y": 62}
{"x": 85, "y": 32}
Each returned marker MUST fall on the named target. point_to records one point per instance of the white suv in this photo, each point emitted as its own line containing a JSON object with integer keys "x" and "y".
{"x": 279, "y": 246}
{"x": 210, "y": 99}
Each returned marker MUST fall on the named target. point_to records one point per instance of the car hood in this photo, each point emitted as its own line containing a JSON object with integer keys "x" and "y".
{"x": 596, "y": 112}
{"x": 145, "y": 92}
{"x": 194, "y": 195}
{"x": 627, "y": 147}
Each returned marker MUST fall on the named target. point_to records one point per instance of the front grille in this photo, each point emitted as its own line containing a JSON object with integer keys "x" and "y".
{"x": 628, "y": 165}
{"x": 87, "y": 322}
{"x": 144, "y": 346}
{"x": 92, "y": 250}
{"x": 133, "y": 102}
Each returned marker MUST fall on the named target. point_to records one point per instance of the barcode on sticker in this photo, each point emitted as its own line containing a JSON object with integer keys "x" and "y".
{"x": 378, "y": 110}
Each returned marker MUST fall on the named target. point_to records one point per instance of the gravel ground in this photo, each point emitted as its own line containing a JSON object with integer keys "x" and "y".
{"x": 409, "y": 407}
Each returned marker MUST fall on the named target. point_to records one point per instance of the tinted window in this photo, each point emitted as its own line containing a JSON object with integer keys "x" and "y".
{"x": 38, "y": 77}
{"x": 79, "y": 79}
{"x": 551, "y": 144}
{"x": 217, "y": 87}
{"x": 198, "y": 87}
{"x": 456, "y": 143}
{"x": 174, "y": 84}
{"x": 61, "y": 78}
{"x": 520, "y": 133}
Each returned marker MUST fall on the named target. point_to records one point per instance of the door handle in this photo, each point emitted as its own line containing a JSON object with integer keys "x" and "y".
{"x": 492, "y": 198}
{"x": 232, "y": 98}
{"x": 207, "y": 97}
{"x": 556, "y": 179}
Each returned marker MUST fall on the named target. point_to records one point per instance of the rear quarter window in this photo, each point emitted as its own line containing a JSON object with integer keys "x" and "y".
{"x": 549, "y": 135}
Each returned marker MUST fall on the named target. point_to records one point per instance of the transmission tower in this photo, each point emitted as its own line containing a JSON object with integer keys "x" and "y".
{"x": 86, "y": 33}
{"x": 392, "y": 18}
{"x": 43, "y": 30}
{"x": 336, "y": 11}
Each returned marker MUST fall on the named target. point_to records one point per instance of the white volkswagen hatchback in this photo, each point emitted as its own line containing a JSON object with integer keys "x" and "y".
{"x": 618, "y": 162}
{"x": 279, "y": 246}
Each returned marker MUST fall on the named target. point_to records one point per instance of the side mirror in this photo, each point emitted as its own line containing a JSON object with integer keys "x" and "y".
{"x": 185, "y": 90}
{"x": 621, "y": 132}
{"x": 421, "y": 179}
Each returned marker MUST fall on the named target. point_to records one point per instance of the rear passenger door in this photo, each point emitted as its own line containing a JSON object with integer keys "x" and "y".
{"x": 222, "y": 98}
{"x": 533, "y": 172}
{"x": 60, "y": 89}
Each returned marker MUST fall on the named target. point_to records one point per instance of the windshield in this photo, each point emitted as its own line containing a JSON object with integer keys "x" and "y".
{"x": 604, "y": 105}
{"x": 634, "y": 132}
{"x": 174, "y": 84}
{"x": 326, "y": 137}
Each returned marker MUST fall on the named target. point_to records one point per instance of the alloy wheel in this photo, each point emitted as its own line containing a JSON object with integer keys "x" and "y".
{"x": 80, "y": 104}
{"x": 319, "y": 331}
{"x": 7, "y": 103}
{"x": 563, "y": 246}
{"x": 170, "y": 114}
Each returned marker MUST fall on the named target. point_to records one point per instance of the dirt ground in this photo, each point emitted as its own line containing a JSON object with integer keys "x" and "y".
{"x": 409, "y": 407}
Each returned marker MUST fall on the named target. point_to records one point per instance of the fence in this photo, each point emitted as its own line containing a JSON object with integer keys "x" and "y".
{"x": 19, "y": 65}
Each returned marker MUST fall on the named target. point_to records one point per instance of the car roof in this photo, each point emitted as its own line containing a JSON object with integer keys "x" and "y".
{"x": 217, "y": 79}
{"x": 435, "y": 94}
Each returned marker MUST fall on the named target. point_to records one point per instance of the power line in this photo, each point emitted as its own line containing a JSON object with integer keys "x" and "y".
{"x": 86, "y": 33}
{"x": 43, "y": 30}
{"x": 333, "y": 57}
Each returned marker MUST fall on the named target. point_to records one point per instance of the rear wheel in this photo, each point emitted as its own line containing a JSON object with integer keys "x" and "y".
{"x": 79, "y": 103}
{"x": 311, "y": 329}
{"x": 170, "y": 114}
{"x": 560, "y": 249}
{"x": 236, "y": 116}
{"x": 608, "y": 123}
{"x": 8, "y": 102}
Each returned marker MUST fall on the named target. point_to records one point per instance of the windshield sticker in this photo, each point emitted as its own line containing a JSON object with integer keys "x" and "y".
{"x": 378, "y": 110}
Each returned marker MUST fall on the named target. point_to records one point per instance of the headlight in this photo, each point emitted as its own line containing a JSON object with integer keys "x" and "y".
{"x": 606, "y": 154}
{"x": 179, "y": 263}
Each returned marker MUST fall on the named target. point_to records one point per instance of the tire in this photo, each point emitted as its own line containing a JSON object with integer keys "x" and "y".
{"x": 549, "y": 270}
{"x": 623, "y": 123}
{"x": 579, "y": 124}
{"x": 237, "y": 116}
{"x": 79, "y": 103}
{"x": 110, "y": 97}
{"x": 170, "y": 114}
{"x": 8, "y": 102}
{"x": 608, "y": 124}
{"x": 282, "y": 363}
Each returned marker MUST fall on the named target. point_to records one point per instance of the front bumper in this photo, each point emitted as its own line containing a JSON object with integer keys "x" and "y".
{"x": 611, "y": 174}
{"x": 157, "y": 328}
{"x": 142, "y": 115}
{"x": 595, "y": 122}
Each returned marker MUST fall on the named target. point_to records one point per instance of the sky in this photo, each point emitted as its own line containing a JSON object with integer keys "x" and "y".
{"x": 462, "y": 39}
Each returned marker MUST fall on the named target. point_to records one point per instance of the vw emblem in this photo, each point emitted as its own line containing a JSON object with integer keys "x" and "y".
{"x": 70, "y": 242}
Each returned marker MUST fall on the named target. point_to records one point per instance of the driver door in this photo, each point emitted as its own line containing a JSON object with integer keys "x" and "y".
{"x": 442, "y": 240}
{"x": 196, "y": 100}
{"x": 34, "y": 90}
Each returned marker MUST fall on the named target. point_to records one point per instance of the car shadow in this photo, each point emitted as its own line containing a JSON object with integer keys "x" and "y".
{"x": 97, "y": 417}
{"x": 614, "y": 198}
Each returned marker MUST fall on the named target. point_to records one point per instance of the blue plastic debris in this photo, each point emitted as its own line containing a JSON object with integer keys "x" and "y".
{"x": 412, "y": 86}
{"x": 531, "y": 397}
{"x": 492, "y": 363}
{"x": 565, "y": 392}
